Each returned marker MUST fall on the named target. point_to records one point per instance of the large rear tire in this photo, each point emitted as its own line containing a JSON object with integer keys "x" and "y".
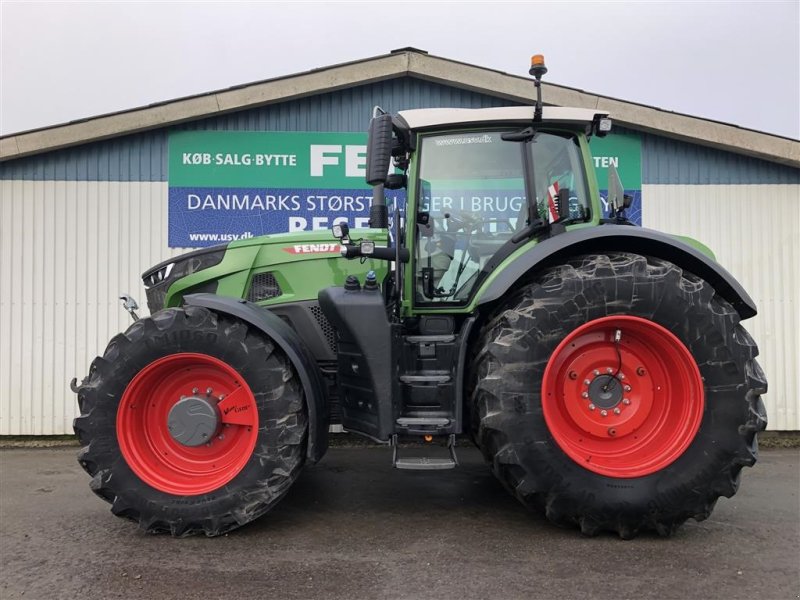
{"x": 169, "y": 469}
{"x": 617, "y": 392}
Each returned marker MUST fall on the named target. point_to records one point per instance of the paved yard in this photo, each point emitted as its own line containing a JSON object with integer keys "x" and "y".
{"x": 354, "y": 528}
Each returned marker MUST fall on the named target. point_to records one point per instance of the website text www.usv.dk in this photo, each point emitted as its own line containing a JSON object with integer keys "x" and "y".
{"x": 219, "y": 237}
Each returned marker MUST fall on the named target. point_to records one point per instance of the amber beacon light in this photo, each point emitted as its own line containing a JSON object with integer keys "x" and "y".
{"x": 537, "y": 66}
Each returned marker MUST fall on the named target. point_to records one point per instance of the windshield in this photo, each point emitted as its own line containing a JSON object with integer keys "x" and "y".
{"x": 472, "y": 200}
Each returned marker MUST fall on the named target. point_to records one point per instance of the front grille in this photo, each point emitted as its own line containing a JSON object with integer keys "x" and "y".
{"x": 156, "y": 296}
{"x": 327, "y": 329}
{"x": 263, "y": 287}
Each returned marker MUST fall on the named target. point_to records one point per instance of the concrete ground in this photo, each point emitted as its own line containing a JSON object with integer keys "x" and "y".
{"x": 353, "y": 528}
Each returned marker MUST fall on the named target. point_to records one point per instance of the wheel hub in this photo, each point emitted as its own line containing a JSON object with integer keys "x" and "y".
{"x": 605, "y": 391}
{"x": 193, "y": 421}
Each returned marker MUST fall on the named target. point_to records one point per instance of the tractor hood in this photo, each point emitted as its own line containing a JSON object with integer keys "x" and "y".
{"x": 269, "y": 269}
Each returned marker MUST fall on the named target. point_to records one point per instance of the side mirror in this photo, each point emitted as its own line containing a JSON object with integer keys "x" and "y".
{"x": 379, "y": 149}
{"x": 616, "y": 193}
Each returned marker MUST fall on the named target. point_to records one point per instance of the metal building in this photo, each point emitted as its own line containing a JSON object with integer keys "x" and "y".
{"x": 84, "y": 209}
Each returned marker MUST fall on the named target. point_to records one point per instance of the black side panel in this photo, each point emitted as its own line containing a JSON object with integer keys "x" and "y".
{"x": 629, "y": 239}
{"x": 302, "y": 360}
{"x": 366, "y": 359}
{"x": 308, "y": 320}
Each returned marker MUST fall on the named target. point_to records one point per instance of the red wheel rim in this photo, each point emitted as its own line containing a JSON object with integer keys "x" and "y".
{"x": 143, "y": 433}
{"x": 632, "y": 425}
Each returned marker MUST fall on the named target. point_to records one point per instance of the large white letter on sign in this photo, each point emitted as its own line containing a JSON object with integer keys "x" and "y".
{"x": 355, "y": 161}
{"x": 319, "y": 160}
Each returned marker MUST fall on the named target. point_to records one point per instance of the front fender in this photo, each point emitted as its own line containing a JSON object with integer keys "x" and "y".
{"x": 621, "y": 238}
{"x": 297, "y": 352}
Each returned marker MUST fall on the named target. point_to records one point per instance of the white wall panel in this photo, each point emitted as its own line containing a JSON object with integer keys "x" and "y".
{"x": 67, "y": 249}
{"x": 754, "y": 230}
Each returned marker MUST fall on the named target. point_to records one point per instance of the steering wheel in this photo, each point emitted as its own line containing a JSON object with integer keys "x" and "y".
{"x": 467, "y": 221}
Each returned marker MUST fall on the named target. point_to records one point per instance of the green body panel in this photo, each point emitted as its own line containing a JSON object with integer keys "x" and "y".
{"x": 302, "y": 263}
{"x": 698, "y": 245}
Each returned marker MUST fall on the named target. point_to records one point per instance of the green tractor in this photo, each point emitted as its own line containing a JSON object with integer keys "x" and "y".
{"x": 600, "y": 367}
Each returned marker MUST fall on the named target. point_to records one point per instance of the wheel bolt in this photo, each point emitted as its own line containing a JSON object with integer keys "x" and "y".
{"x": 586, "y": 382}
{"x": 622, "y": 375}
{"x": 609, "y": 370}
{"x": 627, "y": 388}
{"x": 616, "y": 411}
{"x": 596, "y": 372}
{"x": 591, "y": 407}
{"x": 208, "y": 391}
{"x": 626, "y": 401}
{"x": 195, "y": 390}
{"x": 585, "y": 395}
{"x": 603, "y": 413}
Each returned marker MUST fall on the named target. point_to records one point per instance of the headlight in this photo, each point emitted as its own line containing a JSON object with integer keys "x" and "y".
{"x": 158, "y": 279}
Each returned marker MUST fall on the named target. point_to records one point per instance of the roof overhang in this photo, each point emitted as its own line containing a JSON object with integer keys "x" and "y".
{"x": 407, "y": 62}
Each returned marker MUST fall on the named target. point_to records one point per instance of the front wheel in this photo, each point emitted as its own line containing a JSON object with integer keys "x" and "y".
{"x": 191, "y": 422}
{"x": 617, "y": 392}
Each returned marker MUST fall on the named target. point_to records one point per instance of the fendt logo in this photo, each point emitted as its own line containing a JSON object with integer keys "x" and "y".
{"x": 314, "y": 249}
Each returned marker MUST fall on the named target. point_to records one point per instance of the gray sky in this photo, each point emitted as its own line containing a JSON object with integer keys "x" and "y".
{"x": 737, "y": 62}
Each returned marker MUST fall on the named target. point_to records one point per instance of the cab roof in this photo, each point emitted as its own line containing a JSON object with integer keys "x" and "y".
{"x": 444, "y": 117}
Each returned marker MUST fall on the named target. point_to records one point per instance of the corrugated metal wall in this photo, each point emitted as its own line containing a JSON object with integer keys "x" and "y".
{"x": 78, "y": 226}
{"x": 755, "y": 232}
{"x": 67, "y": 250}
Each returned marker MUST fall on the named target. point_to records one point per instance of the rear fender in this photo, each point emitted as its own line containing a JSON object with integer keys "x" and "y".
{"x": 297, "y": 352}
{"x": 603, "y": 238}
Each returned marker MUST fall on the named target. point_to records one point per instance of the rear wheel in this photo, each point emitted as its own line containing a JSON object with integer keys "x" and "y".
{"x": 191, "y": 422}
{"x": 616, "y": 392}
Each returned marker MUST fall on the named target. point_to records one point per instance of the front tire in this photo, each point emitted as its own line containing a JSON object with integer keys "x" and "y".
{"x": 568, "y": 433}
{"x": 169, "y": 469}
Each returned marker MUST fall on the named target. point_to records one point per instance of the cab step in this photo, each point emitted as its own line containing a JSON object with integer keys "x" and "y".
{"x": 432, "y": 377}
{"x": 422, "y": 421}
{"x": 425, "y": 463}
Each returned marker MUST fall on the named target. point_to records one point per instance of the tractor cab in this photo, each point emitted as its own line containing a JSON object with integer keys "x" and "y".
{"x": 479, "y": 188}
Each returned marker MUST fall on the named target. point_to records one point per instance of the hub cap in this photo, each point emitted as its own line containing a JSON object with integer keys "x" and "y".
{"x": 193, "y": 421}
{"x": 627, "y": 408}
{"x": 187, "y": 424}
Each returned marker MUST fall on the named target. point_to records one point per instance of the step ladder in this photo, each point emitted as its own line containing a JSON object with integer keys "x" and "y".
{"x": 425, "y": 463}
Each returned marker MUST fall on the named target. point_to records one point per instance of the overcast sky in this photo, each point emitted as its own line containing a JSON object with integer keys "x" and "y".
{"x": 737, "y": 62}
